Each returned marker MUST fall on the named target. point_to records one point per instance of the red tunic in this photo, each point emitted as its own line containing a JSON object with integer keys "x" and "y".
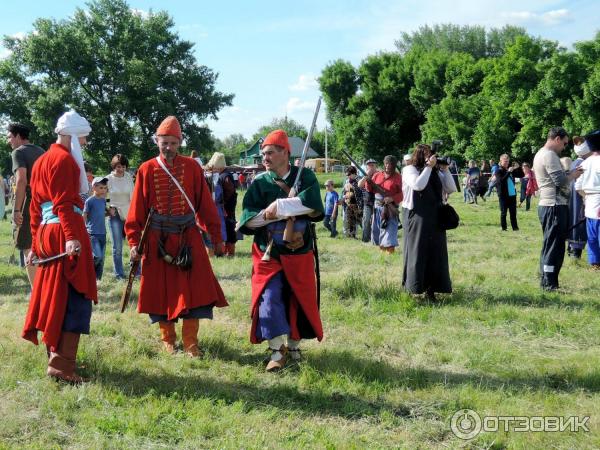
{"x": 392, "y": 184}
{"x": 299, "y": 271}
{"x": 55, "y": 178}
{"x": 165, "y": 289}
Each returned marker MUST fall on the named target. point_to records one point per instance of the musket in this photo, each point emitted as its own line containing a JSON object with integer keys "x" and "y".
{"x": 136, "y": 264}
{"x": 289, "y": 226}
{"x": 379, "y": 189}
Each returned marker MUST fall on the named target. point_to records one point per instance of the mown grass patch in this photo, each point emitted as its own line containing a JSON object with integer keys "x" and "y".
{"x": 390, "y": 373}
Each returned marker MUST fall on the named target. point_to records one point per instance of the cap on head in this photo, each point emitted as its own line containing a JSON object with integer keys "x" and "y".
{"x": 407, "y": 157}
{"x": 170, "y": 127}
{"x": 329, "y": 183}
{"x": 371, "y": 161}
{"x": 593, "y": 140}
{"x": 99, "y": 180}
{"x": 217, "y": 161}
{"x": 278, "y": 138}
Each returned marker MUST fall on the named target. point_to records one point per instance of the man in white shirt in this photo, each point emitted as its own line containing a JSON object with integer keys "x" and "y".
{"x": 588, "y": 186}
{"x": 553, "y": 209}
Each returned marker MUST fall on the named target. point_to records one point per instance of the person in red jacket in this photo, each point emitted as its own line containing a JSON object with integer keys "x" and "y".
{"x": 386, "y": 221}
{"x": 64, "y": 288}
{"x": 177, "y": 280}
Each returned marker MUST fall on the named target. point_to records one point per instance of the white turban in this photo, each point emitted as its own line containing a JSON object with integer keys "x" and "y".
{"x": 72, "y": 124}
{"x": 582, "y": 150}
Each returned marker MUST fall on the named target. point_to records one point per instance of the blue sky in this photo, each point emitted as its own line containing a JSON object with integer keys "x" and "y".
{"x": 268, "y": 53}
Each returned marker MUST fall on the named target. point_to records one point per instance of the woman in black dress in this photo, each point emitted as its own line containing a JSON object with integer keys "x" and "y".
{"x": 424, "y": 184}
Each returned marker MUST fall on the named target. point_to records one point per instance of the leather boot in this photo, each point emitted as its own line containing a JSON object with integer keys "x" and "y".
{"x": 190, "y": 337}
{"x": 168, "y": 335}
{"x": 62, "y": 363}
{"x": 229, "y": 249}
{"x": 278, "y": 359}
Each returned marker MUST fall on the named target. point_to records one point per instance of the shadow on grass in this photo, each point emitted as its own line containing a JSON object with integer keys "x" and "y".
{"x": 15, "y": 281}
{"x": 324, "y": 400}
{"x": 357, "y": 287}
{"x": 466, "y": 296}
{"x": 284, "y": 397}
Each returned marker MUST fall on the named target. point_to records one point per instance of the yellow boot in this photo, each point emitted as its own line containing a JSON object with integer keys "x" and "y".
{"x": 168, "y": 336}
{"x": 190, "y": 337}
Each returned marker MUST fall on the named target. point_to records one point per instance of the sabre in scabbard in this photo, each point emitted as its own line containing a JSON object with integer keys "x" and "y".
{"x": 136, "y": 264}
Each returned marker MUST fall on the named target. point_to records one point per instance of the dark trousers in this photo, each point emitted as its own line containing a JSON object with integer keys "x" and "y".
{"x": 524, "y": 197}
{"x": 555, "y": 224}
{"x": 330, "y": 223}
{"x": 367, "y": 220}
{"x": 510, "y": 204}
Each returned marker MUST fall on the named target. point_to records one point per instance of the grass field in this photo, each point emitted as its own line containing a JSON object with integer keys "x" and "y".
{"x": 391, "y": 371}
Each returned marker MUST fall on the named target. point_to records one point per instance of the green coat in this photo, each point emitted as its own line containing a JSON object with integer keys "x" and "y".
{"x": 264, "y": 191}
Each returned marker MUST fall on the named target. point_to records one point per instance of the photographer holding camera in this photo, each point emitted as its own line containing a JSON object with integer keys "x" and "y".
{"x": 425, "y": 183}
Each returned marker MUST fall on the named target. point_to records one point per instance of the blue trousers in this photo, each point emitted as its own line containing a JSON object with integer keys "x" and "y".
{"x": 78, "y": 314}
{"x": 593, "y": 234}
{"x": 117, "y": 236}
{"x": 202, "y": 312}
{"x": 272, "y": 313}
{"x": 330, "y": 224}
{"x": 98, "y": 250}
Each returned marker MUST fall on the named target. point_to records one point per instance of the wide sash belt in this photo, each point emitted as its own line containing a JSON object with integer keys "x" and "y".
{"x": 172, "y": 224}
{"x": 49, "y": 217}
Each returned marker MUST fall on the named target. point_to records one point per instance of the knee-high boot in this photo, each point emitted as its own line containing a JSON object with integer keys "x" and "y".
{"x": 62, "y": 362}
{"x": 190, "y": 337}
{"x": 168, "y": 335}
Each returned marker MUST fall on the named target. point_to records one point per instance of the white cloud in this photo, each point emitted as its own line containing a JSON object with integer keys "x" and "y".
{"x": 294, "y": 104}
{"x": 305, "y": 82}
{"x": 550, "y": 18}
{"x": 4, "y": 52}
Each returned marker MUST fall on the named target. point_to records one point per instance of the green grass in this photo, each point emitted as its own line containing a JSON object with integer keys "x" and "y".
{"x": 390, "y": 372}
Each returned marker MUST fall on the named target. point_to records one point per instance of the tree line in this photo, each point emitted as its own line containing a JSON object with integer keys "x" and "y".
{"x": 482, "y": 92}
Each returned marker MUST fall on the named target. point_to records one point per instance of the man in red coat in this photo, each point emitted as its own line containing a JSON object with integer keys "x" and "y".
{"x": 64, "y": 288}
{"x": 177, "y": 278}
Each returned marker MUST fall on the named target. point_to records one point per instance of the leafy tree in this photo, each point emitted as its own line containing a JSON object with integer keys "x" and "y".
{"x": 231, "y": 146}
{"x": 379, "y": 118}
{"x": 123, "y": 71}
{"x": 548, "y": 104}
{"x": 338, "y": 83}
{"x": 290, "y": 126}
{"x": 450, "y": 38}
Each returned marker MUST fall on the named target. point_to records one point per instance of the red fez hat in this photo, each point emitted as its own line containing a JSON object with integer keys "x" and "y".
{"x": 277, "y": 137}
{"x": 170, "y": 127}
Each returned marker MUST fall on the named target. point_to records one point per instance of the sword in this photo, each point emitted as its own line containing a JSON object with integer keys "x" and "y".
{"x": 38, "y": 261}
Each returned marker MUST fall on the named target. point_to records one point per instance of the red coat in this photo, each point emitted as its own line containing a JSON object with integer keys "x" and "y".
{"x": 165, "y": 289}
{"x": 392, "y": 184}
{"x": 55, "y": 178}
{"x": 299, "y": 271}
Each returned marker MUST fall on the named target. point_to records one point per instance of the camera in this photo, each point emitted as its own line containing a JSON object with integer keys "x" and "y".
{"x": 436, "y": 145}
